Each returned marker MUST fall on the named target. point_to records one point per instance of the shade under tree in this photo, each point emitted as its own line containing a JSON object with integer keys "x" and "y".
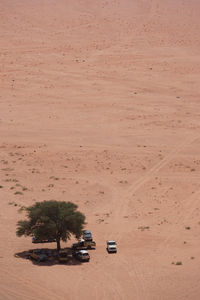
{"x": 52, "y": 220}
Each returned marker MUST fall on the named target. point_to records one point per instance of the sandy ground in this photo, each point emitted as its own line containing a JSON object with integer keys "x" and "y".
{"x": 100, "y": 105}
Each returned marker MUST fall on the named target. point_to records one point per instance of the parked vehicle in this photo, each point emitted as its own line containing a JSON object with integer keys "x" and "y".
{"x": 63, "y": 256}
{"x": 111, "y": 246}
{"x": 38, "y": 255}
{"x": 87, "y": 235}
{"x": 37, "y": 240}
{"x": 81, "y": 255}
{"x": 82, "y": 244}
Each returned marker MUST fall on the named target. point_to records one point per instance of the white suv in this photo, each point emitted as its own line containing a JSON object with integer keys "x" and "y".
{"x": 111, "y": 246}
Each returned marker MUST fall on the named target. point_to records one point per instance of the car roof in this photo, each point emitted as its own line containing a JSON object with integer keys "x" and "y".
{"x": 111, "y": 241}
{"x": 83, "y": 251}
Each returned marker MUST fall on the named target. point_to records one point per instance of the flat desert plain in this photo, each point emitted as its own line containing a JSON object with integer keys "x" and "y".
{"x": 100, "y": 105}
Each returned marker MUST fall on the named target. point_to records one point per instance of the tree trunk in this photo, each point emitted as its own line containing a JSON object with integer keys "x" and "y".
{"x": 58, "y": 244}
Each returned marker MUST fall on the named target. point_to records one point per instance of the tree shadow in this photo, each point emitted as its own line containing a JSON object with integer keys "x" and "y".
{"x": 48, "y": 257}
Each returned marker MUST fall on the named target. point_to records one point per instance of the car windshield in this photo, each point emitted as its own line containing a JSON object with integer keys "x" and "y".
{"x": 111, "y": 243}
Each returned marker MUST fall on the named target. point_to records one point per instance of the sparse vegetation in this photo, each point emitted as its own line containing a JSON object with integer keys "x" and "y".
{"x": 187, "y": 227}
{"x": 51, "y": 185}
{"x": 18, "y": 193}
{"x": 100, "y": 220}
{"x": 178, "y": 263}
{"x": 53, "y": 177}
{"x": 13, "y": 203}
{"x": 142, "y": 228}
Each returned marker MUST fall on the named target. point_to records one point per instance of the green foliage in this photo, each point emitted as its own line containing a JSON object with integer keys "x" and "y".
{"x": 52, "y": 220}
{"x": 18, "y": 193}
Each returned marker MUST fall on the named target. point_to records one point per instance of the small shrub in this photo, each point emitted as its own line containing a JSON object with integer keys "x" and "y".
{"x": 12, "y": 203}
{"x": 51, "y": 185}
{"x": 187, "y": 227}
{"x": 100, "y": 220}
{"x": 178, "y": 263}
{"x": 22, "y": 208}
{"x": 1, "y": 186}
{"x": 18, "y": 193}
{"x": 192, "y": 257}
{"x": 142, "y": 228}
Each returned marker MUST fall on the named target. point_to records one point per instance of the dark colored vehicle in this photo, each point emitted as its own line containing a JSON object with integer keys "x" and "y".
{"x": 81, "y": 255}
{"x": 87, "y": 235}
{"x": 37, "y": 241}
{"x": 63, "y": 256}
{"x": 38, "y": 255}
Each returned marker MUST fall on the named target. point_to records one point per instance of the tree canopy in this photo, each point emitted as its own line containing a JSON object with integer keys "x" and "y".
{"x": 52, "y": 220}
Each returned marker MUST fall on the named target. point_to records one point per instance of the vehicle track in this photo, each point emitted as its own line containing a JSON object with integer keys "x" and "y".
{"x": 124, "y": 207}
{"x": 189, "y": 207}
{"x": 116, "y": 288}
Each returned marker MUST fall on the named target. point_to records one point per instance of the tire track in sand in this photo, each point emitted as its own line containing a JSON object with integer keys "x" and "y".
{"x": 187, "y": 209}
{"x": 122, "y": 209}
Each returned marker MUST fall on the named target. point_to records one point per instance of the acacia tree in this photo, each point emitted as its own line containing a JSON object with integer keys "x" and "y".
{"x": 52, "y": 220}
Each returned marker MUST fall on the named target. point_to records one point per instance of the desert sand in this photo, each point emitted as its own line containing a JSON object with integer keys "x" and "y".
{"x": 100, "y": 105}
